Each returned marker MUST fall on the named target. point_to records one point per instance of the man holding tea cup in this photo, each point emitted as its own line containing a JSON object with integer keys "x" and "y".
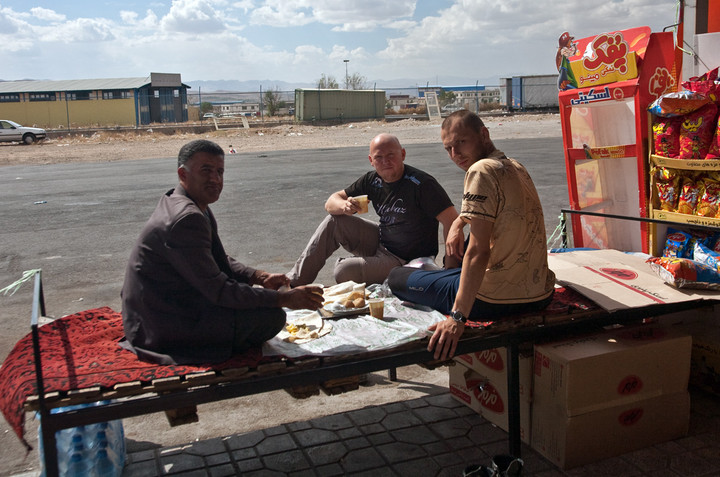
{"x": 410, "y": 204}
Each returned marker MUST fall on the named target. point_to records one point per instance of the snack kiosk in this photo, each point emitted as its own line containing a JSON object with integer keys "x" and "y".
{"x": 606, "y": 84}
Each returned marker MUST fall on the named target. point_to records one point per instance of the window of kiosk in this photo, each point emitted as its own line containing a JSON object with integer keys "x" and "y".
{"x": 610, "y": 184}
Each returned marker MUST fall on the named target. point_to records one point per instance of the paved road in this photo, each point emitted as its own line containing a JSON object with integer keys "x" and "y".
{"x": 81, "y": 235}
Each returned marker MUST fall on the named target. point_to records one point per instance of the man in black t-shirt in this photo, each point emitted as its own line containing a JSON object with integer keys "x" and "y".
{"x": 410, "y": 204}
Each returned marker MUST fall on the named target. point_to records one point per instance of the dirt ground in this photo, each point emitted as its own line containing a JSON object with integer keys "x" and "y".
{"x": 116, "y": 146}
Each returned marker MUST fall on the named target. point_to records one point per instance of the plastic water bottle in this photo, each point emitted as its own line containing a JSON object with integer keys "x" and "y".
{"x": 104, "y": 465}
{"x": 78, "y": 466}
{"x": 89, "y": 451}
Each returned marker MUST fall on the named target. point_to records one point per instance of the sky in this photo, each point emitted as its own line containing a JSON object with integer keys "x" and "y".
{"x": 297, "y": 41}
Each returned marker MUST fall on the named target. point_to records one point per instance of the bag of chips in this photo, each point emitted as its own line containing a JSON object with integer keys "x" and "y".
{"x": 667, "y": 184}
{"x": 685, "y": 273}
{"x": 709, "y": 200}
{"x": 714, "y": 149}
{"x": 696, "y": 132}
{"x": 666, "y": 136}
{"x": 703, "y": 254}
{"x": 678, "y": 244}
{"x": 678, "y": 103}
{"x": 688, "y": 198}
{"x": 705, "y": 85}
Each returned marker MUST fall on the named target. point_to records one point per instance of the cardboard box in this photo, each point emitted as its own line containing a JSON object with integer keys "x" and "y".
{"x": 493, "y": 363}
{"x": 572, "y": 441}
{"x": 616, "y": 280}
{"x": 705, "y": 365}
{"x": 612, "y": 368}
{"x": 488, "y": 395}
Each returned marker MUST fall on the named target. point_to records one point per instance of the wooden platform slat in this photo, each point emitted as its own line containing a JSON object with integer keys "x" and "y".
{"x": 271, "y": 368}
{"x": 235, "y": 372}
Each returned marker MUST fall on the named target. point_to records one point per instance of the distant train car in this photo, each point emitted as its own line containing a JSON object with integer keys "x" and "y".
{"x": 530, "y": 93}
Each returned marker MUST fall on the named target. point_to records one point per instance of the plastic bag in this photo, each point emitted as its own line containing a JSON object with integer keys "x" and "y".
{"x": 685, "y": 273}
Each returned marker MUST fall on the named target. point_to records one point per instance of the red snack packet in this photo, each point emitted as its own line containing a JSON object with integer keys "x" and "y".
{"x": 666, "y": 136}
{"x": 696, "y": 132}
{"x": 709, "y": 201}
{"x": 714, "y": 149}
{"x": 705, "y": 84}
{"x": 687, "y": 202}
{"x": 666, "y": 183}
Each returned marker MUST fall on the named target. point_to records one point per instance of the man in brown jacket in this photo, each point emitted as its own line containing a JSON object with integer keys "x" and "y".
{"x": 184, "y": 299}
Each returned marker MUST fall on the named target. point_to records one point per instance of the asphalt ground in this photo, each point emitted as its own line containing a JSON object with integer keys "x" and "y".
{"x": 78, "y": 222}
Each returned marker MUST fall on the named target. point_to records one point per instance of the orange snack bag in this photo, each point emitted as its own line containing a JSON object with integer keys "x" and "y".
{"x": 688, "y": 196}
{"x": 666, "y": 183}
{"x": 709, "y": 199}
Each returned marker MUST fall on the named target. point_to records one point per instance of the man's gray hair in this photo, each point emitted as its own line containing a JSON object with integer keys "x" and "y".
{"x": 199, "y": 145}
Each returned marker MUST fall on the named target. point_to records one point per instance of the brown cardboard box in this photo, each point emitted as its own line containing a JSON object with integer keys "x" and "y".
{"x": 594, "y": 372}
{"x": 572, "y": 441}
{"x": 705, "y": 365}
{"x": 487, "y": 393}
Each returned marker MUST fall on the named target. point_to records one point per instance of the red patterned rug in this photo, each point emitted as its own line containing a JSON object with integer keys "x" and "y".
{"x": 80, "y": 351}
{"x": 564, "y": 300}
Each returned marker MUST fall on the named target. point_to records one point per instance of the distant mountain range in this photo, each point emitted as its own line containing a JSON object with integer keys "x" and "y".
{"x": 209, "y": 86}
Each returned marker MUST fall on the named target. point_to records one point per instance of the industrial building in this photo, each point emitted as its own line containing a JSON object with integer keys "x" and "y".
{"x": 157, "y": 98}
{"x": 339, "y": 104}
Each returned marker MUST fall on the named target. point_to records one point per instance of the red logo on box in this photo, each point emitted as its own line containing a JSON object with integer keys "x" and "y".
{"x": 460, "y": 394}
{"x": 630, "y": 385}
{"x": 620, "y": 273}
{"x": 489, "y": 398}
{"x": 630, "y": 417}
{"x": 491, "y": 358}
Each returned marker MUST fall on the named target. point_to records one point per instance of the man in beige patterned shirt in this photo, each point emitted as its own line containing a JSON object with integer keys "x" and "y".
{"x": 504, "y": 264}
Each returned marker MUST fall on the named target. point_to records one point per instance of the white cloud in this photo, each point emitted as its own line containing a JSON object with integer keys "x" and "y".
{"x": 47, "y": 15}
{"x": 349, "y": 15}
{"x": 192, "y": 17}
{"x": 9, "y": 25}
{"x": 150, "y": 21}
{"x": 507, "y": 36}
{"x": 80, "y": 30}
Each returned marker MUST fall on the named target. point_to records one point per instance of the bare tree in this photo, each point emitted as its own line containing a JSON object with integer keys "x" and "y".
{"x": 272, "y": 101}
{"x": 356, "y": 81}
{"x": 327, "y": 82}
{"x": 446, "y": 97}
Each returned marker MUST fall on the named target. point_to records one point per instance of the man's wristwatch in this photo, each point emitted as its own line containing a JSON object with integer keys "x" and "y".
{"x": 458, "y": 316}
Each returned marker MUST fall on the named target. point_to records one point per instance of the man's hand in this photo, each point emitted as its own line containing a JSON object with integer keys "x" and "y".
{"x": 445, "y": 338}
{"x": 340, "y": 204}
{"x": 455, "y": 241}
{"x": 352, "y": 206}
{"x": 272, "y": 281}
{"x": 302, "y": 298}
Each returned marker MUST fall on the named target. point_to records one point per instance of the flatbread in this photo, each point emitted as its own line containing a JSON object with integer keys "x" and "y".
{"x": 305, "y": 328}
{"x": 349, "y": 294}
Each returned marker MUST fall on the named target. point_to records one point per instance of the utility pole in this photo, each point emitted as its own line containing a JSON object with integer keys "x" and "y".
{"x": 347, "y": 80}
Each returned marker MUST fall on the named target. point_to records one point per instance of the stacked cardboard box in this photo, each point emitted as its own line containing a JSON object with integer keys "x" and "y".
{"x": 479, "y": 380}
{"x": 610, "y": 393}
{"x": 705, "y": 365}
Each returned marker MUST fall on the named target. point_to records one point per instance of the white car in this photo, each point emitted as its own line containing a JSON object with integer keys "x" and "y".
{"x": 10, "y": 131}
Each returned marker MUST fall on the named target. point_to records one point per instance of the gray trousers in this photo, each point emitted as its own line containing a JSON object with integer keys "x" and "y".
{"x": 371, "y": 262}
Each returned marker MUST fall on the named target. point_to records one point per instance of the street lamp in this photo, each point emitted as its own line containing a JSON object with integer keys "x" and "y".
{"x": 347, "y": 81}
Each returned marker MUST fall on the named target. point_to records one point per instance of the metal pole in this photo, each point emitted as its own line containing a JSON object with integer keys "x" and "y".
{"x": 513, "y": 381}
{"x": 347, "y": 81}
